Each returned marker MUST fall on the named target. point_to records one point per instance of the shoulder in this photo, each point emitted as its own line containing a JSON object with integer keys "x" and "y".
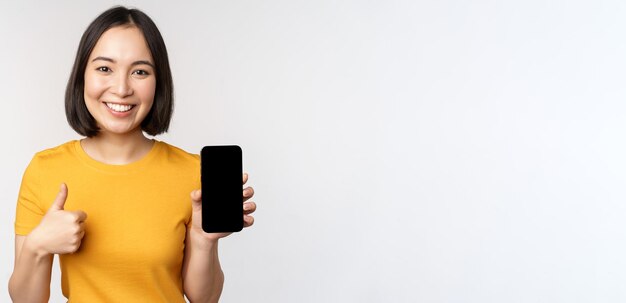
{"x": 178, "y": 155}
{"x": 57, "y": 153}
{"x": 49, "y": 159}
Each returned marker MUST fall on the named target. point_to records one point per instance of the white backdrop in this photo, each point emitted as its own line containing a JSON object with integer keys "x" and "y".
{"x": 401, "y": 151}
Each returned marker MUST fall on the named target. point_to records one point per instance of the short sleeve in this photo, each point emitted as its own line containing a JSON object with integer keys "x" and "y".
{"x": 28, "y": 212}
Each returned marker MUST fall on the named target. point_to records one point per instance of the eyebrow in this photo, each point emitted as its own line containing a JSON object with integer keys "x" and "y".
{"x": 140, "y": 62}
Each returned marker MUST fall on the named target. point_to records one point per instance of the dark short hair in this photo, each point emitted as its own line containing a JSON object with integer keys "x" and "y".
{"x": 158, "y": 119}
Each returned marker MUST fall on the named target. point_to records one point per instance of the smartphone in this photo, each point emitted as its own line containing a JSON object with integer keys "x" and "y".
{"x": 221, "y": 172}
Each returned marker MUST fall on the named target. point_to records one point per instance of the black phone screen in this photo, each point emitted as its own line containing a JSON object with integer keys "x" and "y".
{"x": 222, "y": 186}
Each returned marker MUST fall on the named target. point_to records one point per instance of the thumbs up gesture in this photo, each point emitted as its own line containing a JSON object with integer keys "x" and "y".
{"x": 60, "y": 231}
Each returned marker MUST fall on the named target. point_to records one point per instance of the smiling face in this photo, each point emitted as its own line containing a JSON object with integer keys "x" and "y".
{"x": 120, "y": 80}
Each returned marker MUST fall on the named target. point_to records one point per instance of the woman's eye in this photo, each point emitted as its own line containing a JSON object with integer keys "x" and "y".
{"x": 141, "y": 72}
{"x": 103, "y": 69}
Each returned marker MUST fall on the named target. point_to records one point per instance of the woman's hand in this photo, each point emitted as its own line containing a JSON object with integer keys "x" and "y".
{"x": 196, "y": 216}
{"x": 60, "y": 231}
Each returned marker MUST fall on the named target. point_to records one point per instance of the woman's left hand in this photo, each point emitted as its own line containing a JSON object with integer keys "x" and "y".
{"x": 196, "y": 216}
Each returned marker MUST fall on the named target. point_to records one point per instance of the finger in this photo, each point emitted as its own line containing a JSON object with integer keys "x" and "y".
{"x": 248, "y": 221}
{"x": 248, "y": 192}
{"x": 78, "y": 245}
{"x": 249, "y": 207}
{"x": 196, "y": 195}
{"x": 82, "y": 216}
{"x": 59, "y": 201}
{"x": 245, "y": 178}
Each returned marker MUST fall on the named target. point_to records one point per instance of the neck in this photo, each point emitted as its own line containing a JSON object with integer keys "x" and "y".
{"x": 118, "y": 149}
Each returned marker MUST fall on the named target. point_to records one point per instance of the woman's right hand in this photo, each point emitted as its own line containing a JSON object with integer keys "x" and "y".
{"x": 60, "y": 231}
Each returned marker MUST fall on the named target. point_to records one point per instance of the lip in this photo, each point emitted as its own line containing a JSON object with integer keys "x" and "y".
{"x": 118, "y": 114}
{"x": 120, "y": 103}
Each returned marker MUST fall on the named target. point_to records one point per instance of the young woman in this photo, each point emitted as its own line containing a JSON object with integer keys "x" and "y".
{"x": 116, "y": 205}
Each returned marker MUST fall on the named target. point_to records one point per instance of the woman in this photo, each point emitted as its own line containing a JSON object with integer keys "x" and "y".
{"x": 121, "y": 221}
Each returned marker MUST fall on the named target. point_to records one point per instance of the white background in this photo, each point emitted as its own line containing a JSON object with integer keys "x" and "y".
{"x": 401, "y": 151}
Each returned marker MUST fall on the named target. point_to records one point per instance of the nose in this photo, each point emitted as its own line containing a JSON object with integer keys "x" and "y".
{"x": 122, "y": 86}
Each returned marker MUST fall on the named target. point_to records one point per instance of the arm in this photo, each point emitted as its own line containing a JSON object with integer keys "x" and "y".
{"x": 203, "y": 278}
{"x": 59, "y": 232}
{"x": 30, "y": 281}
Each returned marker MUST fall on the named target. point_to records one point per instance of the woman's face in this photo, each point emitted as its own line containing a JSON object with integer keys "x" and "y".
{"x": 120, "y": 80}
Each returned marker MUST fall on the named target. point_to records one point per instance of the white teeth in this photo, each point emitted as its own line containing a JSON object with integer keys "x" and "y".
{"x": 119, "y": 107}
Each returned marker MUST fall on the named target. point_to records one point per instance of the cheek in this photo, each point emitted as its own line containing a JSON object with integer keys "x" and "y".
{"x": 94, "y": 88}
{"x": 147, "y": 92}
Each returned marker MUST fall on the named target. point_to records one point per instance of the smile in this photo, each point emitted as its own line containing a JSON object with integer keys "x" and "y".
{"x": 120, "y": 108}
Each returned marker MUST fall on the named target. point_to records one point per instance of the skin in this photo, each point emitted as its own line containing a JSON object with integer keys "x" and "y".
{"x": 113, "y": 75}
{"x": 119, "y": 70}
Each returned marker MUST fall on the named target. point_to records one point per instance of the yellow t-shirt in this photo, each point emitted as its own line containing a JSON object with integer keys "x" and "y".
{"x": 137, "y": 218}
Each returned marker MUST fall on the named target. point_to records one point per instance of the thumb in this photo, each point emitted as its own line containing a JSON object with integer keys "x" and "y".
{"x": 59, "y": 202}
{"x": 196, "y": 199}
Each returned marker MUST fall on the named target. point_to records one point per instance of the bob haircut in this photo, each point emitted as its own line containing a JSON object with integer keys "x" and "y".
{"x": 158, "y": 119}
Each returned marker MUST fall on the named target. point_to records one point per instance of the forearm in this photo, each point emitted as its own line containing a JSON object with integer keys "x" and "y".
{"x": 203, "y": 278}
{"x": 30, "y": 281}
